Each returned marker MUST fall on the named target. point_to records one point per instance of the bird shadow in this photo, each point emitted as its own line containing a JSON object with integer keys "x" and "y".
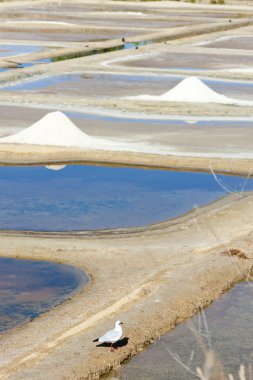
{"x": 121, "y": 343}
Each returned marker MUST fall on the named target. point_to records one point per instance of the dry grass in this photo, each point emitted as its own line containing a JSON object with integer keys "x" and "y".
{"x": 234, "y": 252}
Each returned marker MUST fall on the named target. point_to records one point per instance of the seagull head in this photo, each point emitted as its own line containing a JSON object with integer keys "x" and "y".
{"x": 118, "y": 323}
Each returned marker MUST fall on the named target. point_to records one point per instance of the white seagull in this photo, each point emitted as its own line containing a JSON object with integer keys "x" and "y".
{"x": 112, "y": 336}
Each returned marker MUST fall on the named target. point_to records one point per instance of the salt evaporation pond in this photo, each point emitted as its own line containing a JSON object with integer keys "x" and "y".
{"x": 184, "y": 60}
{"x": 122, "y": 7}
{"x": 46, "y": 35}
{"x": 8, "y": 50}
{"x": 147, "y": 130}
{"x": 104, "y": 85}
{"x": 229, "y": 322}
{"x": 29, "y": 288}
{"x": 92, "y": 197}
{"x": 242, "y": 42}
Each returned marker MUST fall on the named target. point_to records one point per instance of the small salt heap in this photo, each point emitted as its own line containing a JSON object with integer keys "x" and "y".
{"x": 56, "y": 129}
{"x": 53, "y": 129}
{"x": 194, "y": 90}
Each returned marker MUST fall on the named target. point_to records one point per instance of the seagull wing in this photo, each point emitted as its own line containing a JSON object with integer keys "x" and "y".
{"x": 110, "y": 337}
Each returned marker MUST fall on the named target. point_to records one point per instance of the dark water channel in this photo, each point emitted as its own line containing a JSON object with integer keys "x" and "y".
{"x": 92, "y": 197}
{"x": 29, "y": 288}
{"x": 229, "y": 326}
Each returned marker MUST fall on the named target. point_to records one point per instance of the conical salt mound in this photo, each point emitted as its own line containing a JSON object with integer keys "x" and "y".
{"x": 55, "y": 128}
{"x": 194, "y": 90}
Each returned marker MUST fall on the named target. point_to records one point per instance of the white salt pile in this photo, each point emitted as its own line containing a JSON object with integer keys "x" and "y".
{"x": 53, "y": 129}
{"x": 193, "y": 90}
{"x": 57, "y": 129}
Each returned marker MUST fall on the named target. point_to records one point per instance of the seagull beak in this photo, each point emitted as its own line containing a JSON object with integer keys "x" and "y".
{"x": 121, "y": 323}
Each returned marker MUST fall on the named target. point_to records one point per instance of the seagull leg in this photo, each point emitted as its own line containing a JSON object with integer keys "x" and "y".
{"x": 112, "y": 348}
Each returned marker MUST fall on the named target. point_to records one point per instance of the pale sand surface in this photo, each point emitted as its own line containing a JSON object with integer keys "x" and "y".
{"x": 117, "y": 104}
{"x": 153, "y": 295}
{"x": 81, "y": 27}
{"x": 91, "y": 22}
{"x": 126, "y": 86}
{"x": 140, "y": 35}
{"x": 150, "y": 265}
{"x": 152, "y": 277}
{"x": 167, "y": 144}
{"x": 193, "y": 90}
{"x": 237, "y": 39}
{"x": 189, "y": 60}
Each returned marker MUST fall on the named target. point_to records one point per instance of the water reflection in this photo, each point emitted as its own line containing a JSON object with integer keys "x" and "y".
{"x": 229, "y": 322}
{"x": 8, "y": 50}
{"x": 29, "y": 288}
{"x": 92, "y": 197}
{"x": 104, "y": 85}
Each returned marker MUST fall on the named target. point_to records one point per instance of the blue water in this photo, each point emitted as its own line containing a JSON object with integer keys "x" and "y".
{"x": 134, "y": 45}
{"x": 26, "y": 64}
{"x": 10, "y": 50}
{"x": 44, "y": 82}
{"x": 29, "y": 288}
{"x": 228, "y": 333}
{"x": 208, "y": 123}
{"x": 92, "y": 197}
{"x": 126, "y": 85}
{"x": 56, "y": 80}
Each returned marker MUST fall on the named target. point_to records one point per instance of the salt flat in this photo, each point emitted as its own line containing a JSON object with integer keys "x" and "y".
{"x": 151, "y": 264}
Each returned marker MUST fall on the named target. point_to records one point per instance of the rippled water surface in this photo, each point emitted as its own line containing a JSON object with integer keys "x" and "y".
{"x": 29, "y": 288}
{"x": 229, "y": 326}
{"x": 92, "y": 197}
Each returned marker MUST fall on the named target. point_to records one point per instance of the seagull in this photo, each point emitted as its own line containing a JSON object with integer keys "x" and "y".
{"x": 112, "y": 336}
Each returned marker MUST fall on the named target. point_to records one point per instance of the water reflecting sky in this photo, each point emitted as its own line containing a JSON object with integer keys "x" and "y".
{"x": 91, "y": 197}
{"x": 8, "y": 50}
{"x": 100, "y": 85}
{"x": 229, "y": 324}
{"x": 28, "y": 288}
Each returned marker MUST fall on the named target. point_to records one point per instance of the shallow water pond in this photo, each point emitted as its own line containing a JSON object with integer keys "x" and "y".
{"x": 29, "y": 288}
{"x": 92, "y": 197}
{"x": 115, "y": 85}
{"x": 90, "y": 34}
{"x": 8, "y": 50}
{"x": 180, "y": 135}
{"x": 242, "y": 42}
{"x": 95, "y": 84}
{"x": 164, "y": 60}
{"x": 229, "y": 326}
